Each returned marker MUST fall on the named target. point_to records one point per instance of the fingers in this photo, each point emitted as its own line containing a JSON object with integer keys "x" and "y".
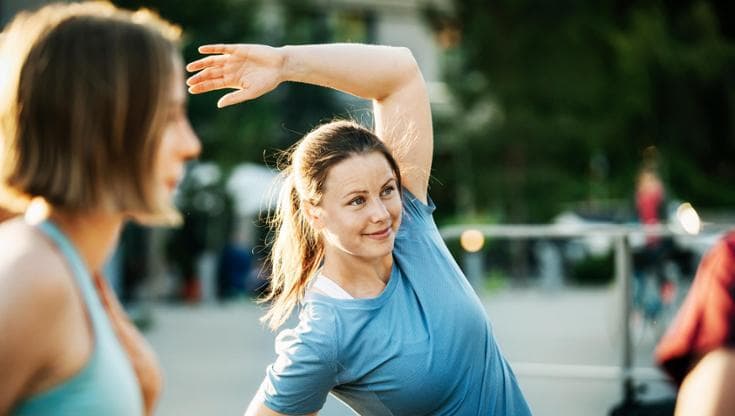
{"x": 205, "y": 75}
{"x": 234, "y": 98}
{"x": 217, "y": 48}
{"x": 209, "y": 61}
{"x": 212, "y": 73}
{"x": 206, "y": 80}
{"x": 208, "y": 85}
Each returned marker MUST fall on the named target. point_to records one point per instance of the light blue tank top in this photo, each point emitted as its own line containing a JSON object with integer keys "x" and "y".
{"x": 106, "y": 384}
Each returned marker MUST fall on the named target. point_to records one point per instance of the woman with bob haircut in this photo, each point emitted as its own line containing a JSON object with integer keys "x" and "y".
{"x": 94, "y": 130}
{"x": 388, "y": 323}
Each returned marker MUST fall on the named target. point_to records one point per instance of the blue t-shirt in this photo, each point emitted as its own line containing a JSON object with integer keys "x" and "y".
{"x": 424, "y": 346}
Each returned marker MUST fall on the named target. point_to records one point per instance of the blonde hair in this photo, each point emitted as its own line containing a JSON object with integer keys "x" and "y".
{"x": 297, "y": 250}
{"x": 84, "y": 108}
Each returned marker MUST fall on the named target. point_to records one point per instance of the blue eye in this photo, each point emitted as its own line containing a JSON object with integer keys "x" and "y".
{"x": 388, "y": 190}
{"x": 357, "y": 201}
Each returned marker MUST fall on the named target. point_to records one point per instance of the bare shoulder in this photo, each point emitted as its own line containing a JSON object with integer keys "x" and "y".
{"x": 34, "y": 280}
{"x": 36, "y": 302}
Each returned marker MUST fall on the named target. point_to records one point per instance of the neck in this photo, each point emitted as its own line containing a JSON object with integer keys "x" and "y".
{"x": 358, "y": 276}
{"x": 93, "y": 234}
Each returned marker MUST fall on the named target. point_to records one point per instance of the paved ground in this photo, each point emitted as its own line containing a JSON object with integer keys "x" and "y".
{"x": 214, "y": 356}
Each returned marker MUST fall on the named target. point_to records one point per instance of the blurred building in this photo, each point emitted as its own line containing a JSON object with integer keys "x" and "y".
{"x": 390, "y": 22}
{"x": 398, "y": 23}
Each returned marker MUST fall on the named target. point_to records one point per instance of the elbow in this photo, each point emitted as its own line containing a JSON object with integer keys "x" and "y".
{"x": 407, "y": 62}
{"x": 403, "y": 71}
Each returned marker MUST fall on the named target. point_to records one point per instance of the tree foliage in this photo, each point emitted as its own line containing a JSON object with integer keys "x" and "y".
{"x": 556, "y": 102}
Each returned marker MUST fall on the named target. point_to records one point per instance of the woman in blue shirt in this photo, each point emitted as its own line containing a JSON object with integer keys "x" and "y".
{"x": 388, "y": 322}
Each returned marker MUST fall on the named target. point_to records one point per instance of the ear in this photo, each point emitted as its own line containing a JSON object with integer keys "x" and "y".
{"x": 313, "y": 214}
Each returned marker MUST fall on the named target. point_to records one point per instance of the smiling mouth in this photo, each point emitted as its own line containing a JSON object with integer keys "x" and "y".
{"x": 380, "y": 234}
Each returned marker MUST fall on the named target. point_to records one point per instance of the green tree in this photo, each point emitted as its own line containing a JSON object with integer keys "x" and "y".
{"x": 555, "y": 102}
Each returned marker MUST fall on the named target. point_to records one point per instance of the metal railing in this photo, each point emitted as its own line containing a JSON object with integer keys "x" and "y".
{"x": 621, "y": 236}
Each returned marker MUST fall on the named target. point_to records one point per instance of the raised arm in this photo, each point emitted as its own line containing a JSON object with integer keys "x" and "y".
{"x": 389, "y": 76}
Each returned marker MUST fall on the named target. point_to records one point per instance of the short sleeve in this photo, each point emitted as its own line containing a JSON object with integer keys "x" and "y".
{"x": 706, "y": 320}
{"x": 416, "y": 214}
{"x": 305, "y": 369}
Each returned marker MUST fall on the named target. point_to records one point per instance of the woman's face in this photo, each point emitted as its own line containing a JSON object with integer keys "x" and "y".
{"x": 360, "y": 211}
{"x": 179, "y": 142}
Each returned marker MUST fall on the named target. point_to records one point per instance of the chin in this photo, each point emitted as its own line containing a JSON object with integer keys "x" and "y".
{"x": 381, "y": 251}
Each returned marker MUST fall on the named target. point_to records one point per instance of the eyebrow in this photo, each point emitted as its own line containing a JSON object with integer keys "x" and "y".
{"x": 362, "y": 191}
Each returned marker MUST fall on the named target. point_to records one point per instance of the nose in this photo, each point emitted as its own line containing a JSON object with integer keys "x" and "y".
{"x": 189, "y": 145}
{"x": 379, "y": 212}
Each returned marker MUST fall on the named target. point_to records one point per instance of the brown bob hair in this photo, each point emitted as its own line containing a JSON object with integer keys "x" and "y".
{"x": 297, "y": 250}
{"x": 84, "y": 108}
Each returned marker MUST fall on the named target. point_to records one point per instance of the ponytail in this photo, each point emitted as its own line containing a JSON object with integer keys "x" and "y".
{"x": 295, "y": 256}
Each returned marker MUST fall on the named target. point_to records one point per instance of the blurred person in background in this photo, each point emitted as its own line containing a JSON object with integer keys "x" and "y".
{"x": 234, "y": 266}
{"x": 652, "y": 286}
{"x": 650, "y": 198}
{"x": 94, "y": 130}
{"x": 388, "y": 323}
{"x": 698, "y": 350}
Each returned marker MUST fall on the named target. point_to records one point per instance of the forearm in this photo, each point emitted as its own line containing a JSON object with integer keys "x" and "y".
{"x": 368, "y": 71}
{"x": 257, "y": 407}
{"x": 706, "y": 390}
{"x": 389, "y": 76}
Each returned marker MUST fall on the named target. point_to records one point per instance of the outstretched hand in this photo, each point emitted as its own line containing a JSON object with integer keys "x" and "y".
{"x": 252, "y": 70}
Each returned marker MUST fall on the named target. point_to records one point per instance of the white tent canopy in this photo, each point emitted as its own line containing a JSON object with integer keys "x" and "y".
{"x": 254, "y": 188}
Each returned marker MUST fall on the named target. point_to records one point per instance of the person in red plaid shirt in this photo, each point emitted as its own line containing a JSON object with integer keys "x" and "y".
{"x": 698, "y": 350}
